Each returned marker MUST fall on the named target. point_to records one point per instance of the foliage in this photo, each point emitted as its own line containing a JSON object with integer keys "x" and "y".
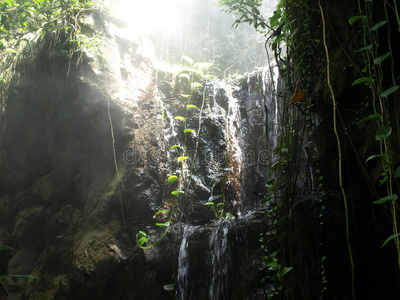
{"x": 218, "y": 208}
{"x": 379, "y": 75}
{"x": 23, "y": 23}
{"x": 272, "y": 242}
{"x": 206, "y": 34}
{"x": 248, "y": 11}
{"x": 190, "y": 80}
{"x": 339, "y": 147}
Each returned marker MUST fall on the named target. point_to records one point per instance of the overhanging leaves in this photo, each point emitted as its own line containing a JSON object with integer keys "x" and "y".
{"x": 386, "y": 199}
{"x": 389, "y": 91}
{"x": 172, "y": 179}
{"x": 380, "y": 59}
{"x": 182, "y": 158}
{"x": 366, "y": 48}
{"x": 383, "y": 156}
{"x": 371, "y": 117}
{"x": 187, "y": 130}
{"x": 383, "y": 133}
{"x": 177, "y": 192}
{"x": 355, "y": 18}
{"x": 390, "y": 238}
{"x": 362, "y": 80}
{"x": 378, "y": 25}
{"x": 180, "y": 118}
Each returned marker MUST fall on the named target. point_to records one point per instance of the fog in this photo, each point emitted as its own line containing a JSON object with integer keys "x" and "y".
{"x": 197, "y": 29}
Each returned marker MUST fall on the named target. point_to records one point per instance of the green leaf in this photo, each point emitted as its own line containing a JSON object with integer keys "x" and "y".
{"x": 228, "y": 215}
{"x": 165, "y": 224}
{"x": 182, "y": 158}
{"x": 203, "y": 65}
{"x": 215, "y": 197}
{"x": 285, "y": 270}
{"x": 189, "y": 130}
{"x": 362, "y": 80}
{"x": 175, "y": 146}
{"x": 142, "y": 233}
{"x": 168, "y": 287}
{"x": 10, "y": 2}
{"x": 386, "y": 199}
{"x": 383, "y": 156}
{"x": 371, "y": 117}
{"x": 272, "y": 263}
{"x": 383, "y": 133}
{"x": 4, "y": 285}
{"x": 142, "y": 241}
{"x": 9, "y": 50}
{"x": 397, "y": 172}
{"x": 172, "y": 179}
{"x": 355, "y": 18}
{"x": 380, "y": 59}
{"x": 209, "y": 203}
{"x": 185, "y": 96}
{"x": 177, "y": 192}
{"x": 161, "y": 211}
{"x": 366, "y": 48}
{"x": 378, "y": 25}
{"x": 4, "y": 247}
{"x": 180, "y": 118}
{"x": 274, "y": 20}
{"x": 188, "y": 59}
{"x": 191, "y": 106}
{"x": 389, "y": 91}
{"x": 291, "y": 36}
{"x": 196, "y": 85}
{"x": 390, "y": 238}
{"x": 184, "y": 75}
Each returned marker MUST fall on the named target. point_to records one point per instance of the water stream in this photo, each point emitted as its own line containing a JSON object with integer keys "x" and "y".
{"x": 220, "y": 258}
{"x": 213, "y": 257}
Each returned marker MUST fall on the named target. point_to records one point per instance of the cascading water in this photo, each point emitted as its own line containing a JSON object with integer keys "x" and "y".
{"x": 216, "y": 268}
{"x": 183, "y": 264}
{"x": 218, "y": 261}
{"x": 117, "y": 181}
{"x": 220, "y": 258}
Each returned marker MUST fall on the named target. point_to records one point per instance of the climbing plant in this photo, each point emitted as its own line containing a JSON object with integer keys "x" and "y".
{"x": 190, "y": 80}
{"x": 381, "y": 76}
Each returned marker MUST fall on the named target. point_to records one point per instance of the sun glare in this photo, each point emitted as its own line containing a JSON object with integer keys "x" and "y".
{"x": 145, "y": 16}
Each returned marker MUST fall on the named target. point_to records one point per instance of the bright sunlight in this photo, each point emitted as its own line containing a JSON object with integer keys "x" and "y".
{"x": 150, "y": 15}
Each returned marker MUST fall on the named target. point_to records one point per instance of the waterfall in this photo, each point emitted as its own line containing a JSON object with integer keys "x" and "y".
{"x": 214, "y": 258}
{"x": 220, "y": 258}
{"x": 183, "y": 264}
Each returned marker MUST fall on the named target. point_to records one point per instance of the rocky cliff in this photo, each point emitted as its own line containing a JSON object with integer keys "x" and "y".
{"x": 85, "y": 157}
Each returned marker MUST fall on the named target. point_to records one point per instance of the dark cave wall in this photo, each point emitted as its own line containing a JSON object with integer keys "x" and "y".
{"x": 59, "y": 197}
{"x": 319, "y": 251}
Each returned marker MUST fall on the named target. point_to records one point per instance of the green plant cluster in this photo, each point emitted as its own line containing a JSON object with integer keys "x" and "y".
{"x": 248, "y": 11}
{"x": 381, "y": 76}
{"x": 189, "y": 78}
{"x": 24, "y": 22}
{"x": 272, "y": 241}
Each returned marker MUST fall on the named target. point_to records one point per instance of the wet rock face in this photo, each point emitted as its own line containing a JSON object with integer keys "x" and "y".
{"x": 85, "y": 164}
